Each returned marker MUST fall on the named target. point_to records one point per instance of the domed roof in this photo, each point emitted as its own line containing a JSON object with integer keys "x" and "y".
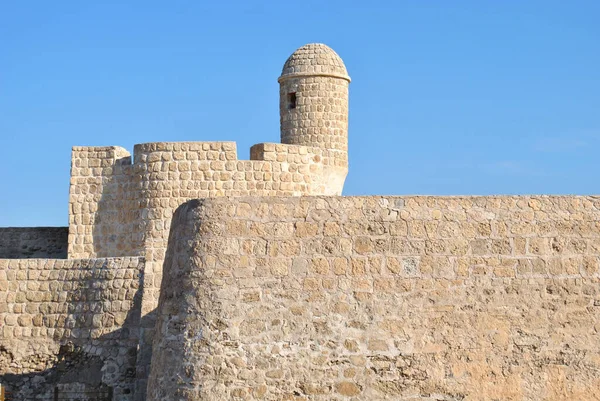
{"x": 314, "y": 59}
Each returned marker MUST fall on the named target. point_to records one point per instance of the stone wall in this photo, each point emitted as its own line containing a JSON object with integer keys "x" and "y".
{"x": 173, "y": 173}
{"x": 33, "y": 242}
{"x": 123, "y": 207}
{"x": 420, "y": 298}
{"x": 71, "y": 324}
{"x": 104, "y": 212}
{"x": 115, "y": 206}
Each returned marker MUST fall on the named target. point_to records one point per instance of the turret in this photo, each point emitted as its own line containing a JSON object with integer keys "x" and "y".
{"x": 313, "y": 100}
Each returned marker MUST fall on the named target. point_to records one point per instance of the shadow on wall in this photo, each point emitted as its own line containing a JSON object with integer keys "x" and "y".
{"x": 86, "y": 367}
{"x": 114, "y": 232}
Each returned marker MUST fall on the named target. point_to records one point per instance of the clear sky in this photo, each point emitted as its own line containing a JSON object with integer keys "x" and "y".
{"x": 447, "y": 97}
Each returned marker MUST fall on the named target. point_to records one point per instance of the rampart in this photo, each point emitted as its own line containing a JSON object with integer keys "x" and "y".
{"x": 370, "y": 298}
{"x": 71, "y": 325}
{"x": 123, "y": 207}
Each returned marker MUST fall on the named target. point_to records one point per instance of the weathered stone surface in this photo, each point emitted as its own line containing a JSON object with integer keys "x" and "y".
{"x": 472, "y": 302}
{"x": 72, "y": 324}
{"x": 121, "y": 204}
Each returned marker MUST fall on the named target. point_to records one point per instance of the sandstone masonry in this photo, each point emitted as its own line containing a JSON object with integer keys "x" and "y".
{"x": 69, "y": 323}
{"x": 381, "y": 298}
{"x": 120, "y": 205}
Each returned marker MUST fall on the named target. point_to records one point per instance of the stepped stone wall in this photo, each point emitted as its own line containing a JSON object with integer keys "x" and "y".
{"x": 71, "y": 324}
{"x": 371, "y": 298}
{"x": 122, "y": 206}
{"x": 104, "y": 214}
{"x": 38, "y": 242}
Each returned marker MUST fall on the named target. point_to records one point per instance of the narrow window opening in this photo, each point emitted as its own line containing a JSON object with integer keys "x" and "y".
{"x": 292, "y": 100}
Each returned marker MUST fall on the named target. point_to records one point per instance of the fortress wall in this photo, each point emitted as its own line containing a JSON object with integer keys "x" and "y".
{"x": 368, "y": 298}
{"x": 281, "y": 152}
{"x": 33, "y": 242}
{"x": 174, "y": 172}
{"x": 122, "y": 209}
{"x": 171, "y": 173}
{"x": 69, "y": 323}
{"x": 103, "y": 204}
{"x": 327, "y": 168}
{"x": 119, "y": 209}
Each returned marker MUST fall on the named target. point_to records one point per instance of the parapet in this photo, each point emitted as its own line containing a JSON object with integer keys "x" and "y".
{"x": 111, "y": 194}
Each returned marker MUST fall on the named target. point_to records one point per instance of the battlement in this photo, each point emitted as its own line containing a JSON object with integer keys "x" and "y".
{"x": 113, "y": 193}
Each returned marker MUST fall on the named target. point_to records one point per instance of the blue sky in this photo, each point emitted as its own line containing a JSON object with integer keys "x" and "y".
{"x": 447, "y": 97}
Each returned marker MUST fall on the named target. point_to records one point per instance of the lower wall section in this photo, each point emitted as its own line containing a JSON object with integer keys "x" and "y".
{"x": 380, "y": 298}
{"x": 34, "y": 242}
{"x": 69, "y": 326}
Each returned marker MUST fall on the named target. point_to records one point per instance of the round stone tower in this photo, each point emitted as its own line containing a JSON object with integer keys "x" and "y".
{"x": 313, "y": 99}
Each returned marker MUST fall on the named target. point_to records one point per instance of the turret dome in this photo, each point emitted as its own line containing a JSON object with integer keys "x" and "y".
{"x": 314, "y": 59}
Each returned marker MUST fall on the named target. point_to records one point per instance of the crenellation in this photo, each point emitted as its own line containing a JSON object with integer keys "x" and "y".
{"x": 164, "y": 175}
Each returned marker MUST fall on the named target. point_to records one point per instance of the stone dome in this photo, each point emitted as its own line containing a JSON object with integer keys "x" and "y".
{"x": 314, "y": 59}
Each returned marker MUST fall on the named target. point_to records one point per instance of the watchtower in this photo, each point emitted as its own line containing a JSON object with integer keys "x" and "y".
{"x": 313, "y": 100}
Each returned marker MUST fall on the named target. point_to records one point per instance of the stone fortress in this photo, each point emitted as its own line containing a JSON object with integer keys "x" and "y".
{"x": 187, "y": 274}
